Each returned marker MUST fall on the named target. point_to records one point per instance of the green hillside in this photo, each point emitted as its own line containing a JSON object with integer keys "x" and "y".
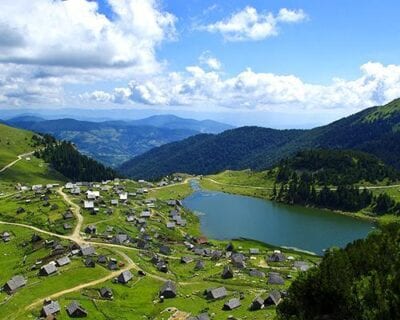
{"x": 204, "y": 154}
{"x": 374, "y": 130}
{"x": 13, "y": 142}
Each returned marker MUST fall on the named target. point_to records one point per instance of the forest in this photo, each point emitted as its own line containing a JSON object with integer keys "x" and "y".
{"x": 329, "y": 178}
{"x": 64, "y": 158}
{"x": 359, "y": 282}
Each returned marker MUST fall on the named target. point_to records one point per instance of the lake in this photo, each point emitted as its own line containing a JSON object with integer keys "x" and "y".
{"x": 226, "y": 216}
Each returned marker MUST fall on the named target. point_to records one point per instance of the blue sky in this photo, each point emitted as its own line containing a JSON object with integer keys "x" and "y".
{"x": 273, "y": 63}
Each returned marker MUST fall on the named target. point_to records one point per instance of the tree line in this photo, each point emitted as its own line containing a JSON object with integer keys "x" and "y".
{"x": 359, "y": 282}
{"x": 328, "y": 179}
{"x": 64, "y": 158}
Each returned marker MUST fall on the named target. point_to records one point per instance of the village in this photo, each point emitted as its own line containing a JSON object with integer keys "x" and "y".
{"x": 121, "y": 241}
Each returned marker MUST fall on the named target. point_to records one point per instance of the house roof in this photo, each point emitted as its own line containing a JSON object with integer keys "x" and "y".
{"x": 232, "y": 304}
{"x": 106, "y": 292}
{"x": 16, "y": 282}
{"x": 274, "y": 297}
{"x": 87, "y": 250}
{"x": 49, "y": 268}
{"x": 125, "y": 276}
{"x": 63, "y": 261}
{"x": 276, "y": 257}
{"x": 74, "y": 308}
{"x": 51, "y": 308}
{"x": 256, "y": 273}
{"x": 203, "y": 316}
{"x": 227, "y": 272}
{"x": 168, "y": 288}
{"x": 275, "y": 278}
{"x": 217, "y": 293}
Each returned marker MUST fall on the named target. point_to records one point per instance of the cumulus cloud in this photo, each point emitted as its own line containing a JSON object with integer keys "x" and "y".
{"x": 249, "y": 24}
{"x": 267, "y": 91}
{"x": 208, "y": 60}
{"x": 74, "y": 34}
{"x": 50, "y": 43}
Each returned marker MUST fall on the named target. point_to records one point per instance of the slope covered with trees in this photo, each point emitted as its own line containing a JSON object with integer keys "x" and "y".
{"x": 374, "y": 130}
{"x": 360, "y": 282}
{"x": 64, "y": 158}
{"x": 207, "y": 153}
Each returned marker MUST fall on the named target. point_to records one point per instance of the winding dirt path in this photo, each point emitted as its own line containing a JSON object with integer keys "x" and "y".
{"x": 19, "y": 158}
{"x": 76, "y": 210}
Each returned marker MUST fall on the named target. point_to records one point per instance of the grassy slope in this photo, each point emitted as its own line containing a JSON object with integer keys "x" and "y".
{"x": 12, "y": 143}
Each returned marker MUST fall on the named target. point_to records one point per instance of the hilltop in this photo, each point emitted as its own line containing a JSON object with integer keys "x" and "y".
{"x": 374, "y": 130}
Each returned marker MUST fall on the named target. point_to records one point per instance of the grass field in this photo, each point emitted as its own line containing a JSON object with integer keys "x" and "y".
{"x": 13, "y": 142}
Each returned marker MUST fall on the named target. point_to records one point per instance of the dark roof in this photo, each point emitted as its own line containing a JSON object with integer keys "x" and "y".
{"x": 199, "y": 265}
{"x": 238, "y": 260}
{"x": 106, "y": 292}
{"x": 75, "y": 310}
{"x": 216, "y": 293}
{"x": 15, "y": 283}
{"x": 257, "y": 303}
{"x": 276, "y": 257}
{"x": 51, "y": 308}
{"x": 48, "y": 269}
{"x": 125, "y": 276}
{"x": 186, "y": 259}
{"x": 257, "y": 273}
{"x": 63, "y": 261}
{"x": 87, "y": 250}
{"x": 203, "y": 316}
{"x": 120, "y": 238}
{"x": 168, "y": 290}
{"x": 232, "y": 304}
{"x": 275, "y": 278}
{"x": 273, "y": 298}
{"x": 227, "y": 273}
{"x": 102, "y": 259}
{"x": 165, "y": 250}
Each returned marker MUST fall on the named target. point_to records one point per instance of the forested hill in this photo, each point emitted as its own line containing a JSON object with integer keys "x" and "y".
{"x": 206, "y": 153}
{"x": 375, "y": 130}
{"x": 336, "y": 167}
{"x": 358, "y": 282}
{"x": 64, "y": 158}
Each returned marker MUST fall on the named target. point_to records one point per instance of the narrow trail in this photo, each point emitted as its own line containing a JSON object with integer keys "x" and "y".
{"x": 76, "y": 210}
{"x": 19, "y": 158}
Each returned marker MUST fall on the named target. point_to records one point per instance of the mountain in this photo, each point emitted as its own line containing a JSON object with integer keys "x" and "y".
{"x": 207, "y": 153}
{"x": 375, "y": 130}
{"x": 174, "y": 122}
{"x": 113, "y": 142}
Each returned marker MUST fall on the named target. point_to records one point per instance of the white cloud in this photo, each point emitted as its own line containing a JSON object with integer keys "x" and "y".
{"x": 208, "y": 60}
{"x": 286, "y": 15}
{"x": 248, "y": 24}
{"x": 377, "y": 84}
{"x": 45, "y": 44}
{"x": 74, "y": 34}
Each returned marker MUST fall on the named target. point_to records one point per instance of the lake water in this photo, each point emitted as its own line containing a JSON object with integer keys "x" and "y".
{"x": 227, "y": 216}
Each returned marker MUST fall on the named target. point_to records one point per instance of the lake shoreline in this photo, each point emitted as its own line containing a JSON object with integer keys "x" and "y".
{"x": 356, "y": 215}
{"x": 224, "y": 218}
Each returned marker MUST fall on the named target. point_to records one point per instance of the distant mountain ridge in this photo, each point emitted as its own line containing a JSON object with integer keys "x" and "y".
{"x": 374, "y": 130}
{"x": 113, "y": 142}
